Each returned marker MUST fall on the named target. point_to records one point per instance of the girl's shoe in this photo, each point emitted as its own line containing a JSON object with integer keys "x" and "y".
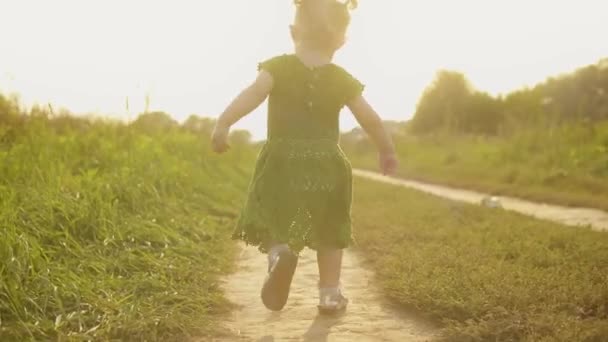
{"x": 282, "y": 264}
{"x": 332, "y": 301}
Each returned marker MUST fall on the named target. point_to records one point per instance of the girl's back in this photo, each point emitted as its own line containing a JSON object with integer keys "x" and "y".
{"x": 305, "y": 102}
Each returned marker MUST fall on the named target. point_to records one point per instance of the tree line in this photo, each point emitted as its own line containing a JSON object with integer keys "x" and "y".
{"x": 451, "y": 104}
{"x": 14, "y": 118}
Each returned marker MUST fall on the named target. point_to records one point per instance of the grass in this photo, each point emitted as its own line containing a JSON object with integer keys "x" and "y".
{"x": 564, "y": 165}
{"x": 484, "y": 274}
{"x": 115, "y": 232}
{"x": 110, "y": 232}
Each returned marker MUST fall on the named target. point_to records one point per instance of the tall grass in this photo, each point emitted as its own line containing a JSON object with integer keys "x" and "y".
{"x": 563, "y": 164}
{"x": 112, "y": 232}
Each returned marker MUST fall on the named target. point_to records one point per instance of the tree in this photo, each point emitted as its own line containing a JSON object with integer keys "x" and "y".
{"x": 240, "y": 137}
{"x": 441, "y": 103}
{"x": 199, "y": 125}
{"x": 154, "y": 122}
{"x": 482, "y": 115}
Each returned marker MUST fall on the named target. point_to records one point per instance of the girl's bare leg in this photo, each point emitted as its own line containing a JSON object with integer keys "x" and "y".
{"x": 282, "y": 263}
{"x": 331, "y": 299}
{"x": 330, "y": 266}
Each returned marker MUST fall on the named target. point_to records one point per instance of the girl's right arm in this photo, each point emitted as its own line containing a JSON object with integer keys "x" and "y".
{"x": 372, "y": 124}
{"x": 248, "y": 100}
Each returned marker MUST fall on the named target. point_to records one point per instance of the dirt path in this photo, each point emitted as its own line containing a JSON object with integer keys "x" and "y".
{"x": 597, "y": 219}
{"x": 368, "y": 317}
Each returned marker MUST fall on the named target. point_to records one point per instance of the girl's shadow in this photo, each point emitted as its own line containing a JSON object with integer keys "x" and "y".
{"x": 320, "y": 328}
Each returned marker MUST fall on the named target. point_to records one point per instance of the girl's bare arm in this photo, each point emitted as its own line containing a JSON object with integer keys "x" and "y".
{"x": 371, "y": 123}
{"x": 248, "y": 100}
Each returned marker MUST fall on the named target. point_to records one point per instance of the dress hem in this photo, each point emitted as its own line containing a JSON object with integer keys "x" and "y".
{"x": 260, "y": 242}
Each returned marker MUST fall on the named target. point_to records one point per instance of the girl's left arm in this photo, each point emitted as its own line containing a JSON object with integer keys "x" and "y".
{"x": 248, "y": 100}
{"x": 372, "y": 124}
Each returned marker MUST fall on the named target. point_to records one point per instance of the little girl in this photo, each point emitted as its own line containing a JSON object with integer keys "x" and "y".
{"x": 300, "y": 193}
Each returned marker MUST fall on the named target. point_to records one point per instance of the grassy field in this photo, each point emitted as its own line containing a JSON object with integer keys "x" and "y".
{"x": 564, "y": 165}
{"x": 109, "y": 232}
{"x": 484, "y": 274}
{"x": 121, "y": 232}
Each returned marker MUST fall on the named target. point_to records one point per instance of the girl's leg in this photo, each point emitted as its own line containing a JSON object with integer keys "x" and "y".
{"x": 330, "y": 266}
{"x": 282, "y": 263}
{"x": 331, "y": 299}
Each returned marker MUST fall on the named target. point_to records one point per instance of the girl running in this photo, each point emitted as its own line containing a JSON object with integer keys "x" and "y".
{"x": 301, "y": 190}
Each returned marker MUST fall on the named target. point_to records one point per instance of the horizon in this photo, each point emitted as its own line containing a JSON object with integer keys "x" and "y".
{"x": 73, "y": 59}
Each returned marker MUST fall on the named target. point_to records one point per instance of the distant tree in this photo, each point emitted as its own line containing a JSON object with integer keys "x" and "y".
{"x": 240, "y": 137}
{"x": 482, "y": 114}
{"x": 441, "y": 103}
{"x": 199, "y": 125}
{"x": 154, "y": 122}
{"x": 524, "y": 107}
{"x": 580, "y": 95}
{"x": 451, "y": 104}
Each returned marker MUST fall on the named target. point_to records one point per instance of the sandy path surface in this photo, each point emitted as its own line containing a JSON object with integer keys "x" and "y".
{"x": 368, "y": 318}
{"x": 597, "y": 219}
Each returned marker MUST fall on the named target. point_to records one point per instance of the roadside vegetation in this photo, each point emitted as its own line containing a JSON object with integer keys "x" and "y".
{"x": 113, "y": 231}
{"x": 483, "y": 274}
{"x": 547, "y": 143}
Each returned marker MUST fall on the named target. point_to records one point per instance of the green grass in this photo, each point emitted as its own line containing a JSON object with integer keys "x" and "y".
{"x": 109, "y": 232}
{"x": 564, "y": 165}
{"x": 484, "y": 274}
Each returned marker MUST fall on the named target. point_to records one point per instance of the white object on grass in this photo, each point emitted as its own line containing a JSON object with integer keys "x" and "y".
{"x": 491, "y": 202}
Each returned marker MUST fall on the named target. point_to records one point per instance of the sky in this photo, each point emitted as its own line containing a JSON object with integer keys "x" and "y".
{"x": 194, "y": 56}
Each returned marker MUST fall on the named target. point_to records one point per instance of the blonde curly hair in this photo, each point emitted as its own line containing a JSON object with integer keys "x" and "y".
{"x": 322, "y": 23}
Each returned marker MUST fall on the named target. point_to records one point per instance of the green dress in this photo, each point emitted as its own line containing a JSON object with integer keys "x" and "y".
{"x": 301, "y": 189}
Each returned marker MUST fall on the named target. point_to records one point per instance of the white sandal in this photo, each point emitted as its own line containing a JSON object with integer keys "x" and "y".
{"x": 331, "y": 301}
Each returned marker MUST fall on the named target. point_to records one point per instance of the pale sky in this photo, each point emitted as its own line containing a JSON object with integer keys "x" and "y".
{"x": 194, "y": 56}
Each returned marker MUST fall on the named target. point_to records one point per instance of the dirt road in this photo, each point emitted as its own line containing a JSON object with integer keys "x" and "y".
{"x": 595, "y": 218}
